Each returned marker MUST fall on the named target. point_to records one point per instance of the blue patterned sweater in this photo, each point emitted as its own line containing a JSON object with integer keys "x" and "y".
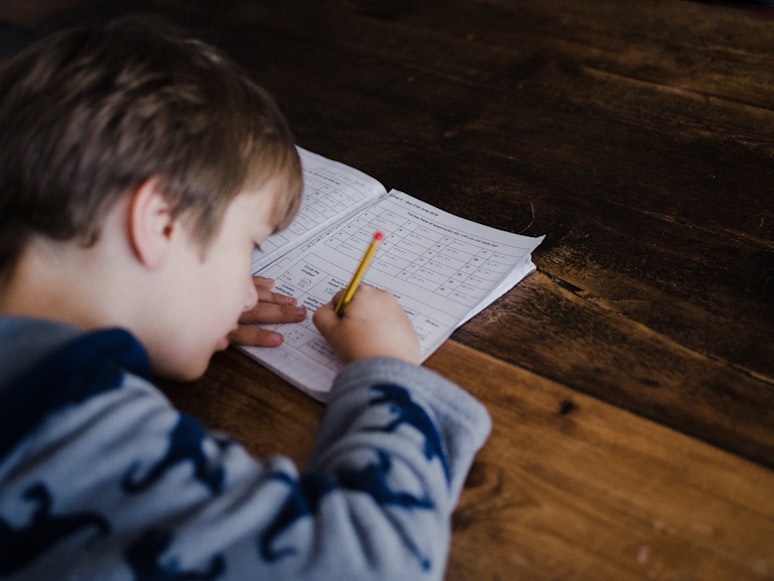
{"x": 101, "y": 478}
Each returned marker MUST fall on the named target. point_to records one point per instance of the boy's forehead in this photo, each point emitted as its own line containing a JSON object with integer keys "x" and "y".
{"x": 285, "y": 195}
{"x": 263, "y": 200}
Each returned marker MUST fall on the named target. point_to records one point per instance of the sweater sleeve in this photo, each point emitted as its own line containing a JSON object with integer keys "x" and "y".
{"x": 123, "y": 486}
{"x": 397, "y": 440}
{"x": 412, "y": 405}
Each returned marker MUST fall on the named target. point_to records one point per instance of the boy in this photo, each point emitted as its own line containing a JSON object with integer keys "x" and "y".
{"x": 138, "y": 170}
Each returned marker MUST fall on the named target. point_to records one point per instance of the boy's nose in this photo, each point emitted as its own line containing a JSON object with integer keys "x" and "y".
{"x": 252, "y": 295}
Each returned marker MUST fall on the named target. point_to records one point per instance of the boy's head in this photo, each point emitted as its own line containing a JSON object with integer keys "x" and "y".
{"x": 131, "y": 149}
{"x": 88, "y": 115}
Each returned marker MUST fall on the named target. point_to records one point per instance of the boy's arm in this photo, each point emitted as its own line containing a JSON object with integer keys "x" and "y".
{"x": 392, "y": 452}
{"x": 397, "y": 437}
{"x": 405, "y": 408}
{"x": 399, "y": 441}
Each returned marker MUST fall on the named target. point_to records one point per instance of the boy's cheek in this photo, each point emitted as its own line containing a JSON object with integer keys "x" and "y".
{"x": 183, "y": 362}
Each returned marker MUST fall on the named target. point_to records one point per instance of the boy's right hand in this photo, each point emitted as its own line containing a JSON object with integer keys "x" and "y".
{"x": 373, "y": 325}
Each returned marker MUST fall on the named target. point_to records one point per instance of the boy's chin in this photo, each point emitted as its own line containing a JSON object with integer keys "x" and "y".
{"x": 190, "y": 371}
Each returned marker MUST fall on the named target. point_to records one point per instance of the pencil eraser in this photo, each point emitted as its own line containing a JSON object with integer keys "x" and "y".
{"x": 379, "y": 236}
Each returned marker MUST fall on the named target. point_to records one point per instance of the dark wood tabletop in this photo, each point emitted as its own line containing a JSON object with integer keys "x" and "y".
{"x": 631, "y": 377}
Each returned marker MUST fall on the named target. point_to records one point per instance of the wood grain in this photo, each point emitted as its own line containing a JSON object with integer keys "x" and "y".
{"x": 568, "y": 487}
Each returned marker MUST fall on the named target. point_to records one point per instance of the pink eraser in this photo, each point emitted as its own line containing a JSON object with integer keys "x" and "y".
{"x": 378, "y": 236}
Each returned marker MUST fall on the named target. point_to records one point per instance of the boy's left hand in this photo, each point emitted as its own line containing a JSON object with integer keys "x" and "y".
{"x": 271, "y": 308}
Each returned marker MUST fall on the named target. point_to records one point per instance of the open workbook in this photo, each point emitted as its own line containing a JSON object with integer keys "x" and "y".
{"x": 443, "y": 269}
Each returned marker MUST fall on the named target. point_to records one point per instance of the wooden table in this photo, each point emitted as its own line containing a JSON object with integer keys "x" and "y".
{"x": 631, "y": 378}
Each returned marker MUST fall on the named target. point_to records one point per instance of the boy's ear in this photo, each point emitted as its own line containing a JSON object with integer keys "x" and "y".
{"x": 151, "y": 224}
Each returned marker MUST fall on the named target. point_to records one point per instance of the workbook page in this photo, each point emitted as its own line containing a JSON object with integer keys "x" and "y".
{"x": 442, "y": 269}
{"x": 332, "y": 191}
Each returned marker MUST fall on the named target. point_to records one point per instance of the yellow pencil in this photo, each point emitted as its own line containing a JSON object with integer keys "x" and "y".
{"x": 350, "y": 292}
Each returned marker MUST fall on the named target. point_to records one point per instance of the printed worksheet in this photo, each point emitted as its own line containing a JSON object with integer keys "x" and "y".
{"x": 443, "y": 270}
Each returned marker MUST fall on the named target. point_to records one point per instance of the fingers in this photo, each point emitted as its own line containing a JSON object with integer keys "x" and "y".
{"x": 270, "y": 312}
{"x": 271, "y": 308}
{"x": 264, "y": 285}
{"x": 251, "y": 335}
{"x": 325, "y": 317}
{"x": 266, "y": 296}
{"x": 372, "y": 325}
{"x": 263, "y": 282}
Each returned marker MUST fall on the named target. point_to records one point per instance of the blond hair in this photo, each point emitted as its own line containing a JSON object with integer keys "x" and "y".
{"x": 87, "y": 115}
